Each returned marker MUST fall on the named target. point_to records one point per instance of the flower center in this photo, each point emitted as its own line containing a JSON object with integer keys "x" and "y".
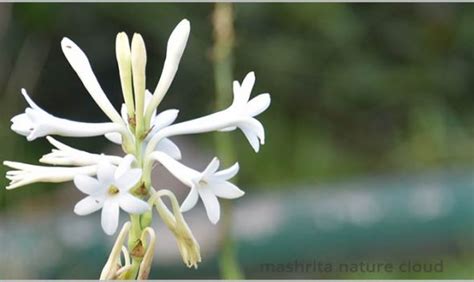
{"x": 202, "y": 182}
{"x": 113, "y": 190}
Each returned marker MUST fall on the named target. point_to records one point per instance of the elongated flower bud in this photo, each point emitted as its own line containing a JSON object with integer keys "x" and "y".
{"x": 187, "y": 245}
{"x": 110, "y": 268}
{"x": 123, "y": 53}
{"x": 139, "y": 80}
{"x": 174, "y": 52}
{"x": 145, "y": 265}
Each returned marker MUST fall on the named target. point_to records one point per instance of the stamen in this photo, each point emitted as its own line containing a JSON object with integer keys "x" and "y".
{"x": 113, "y": 190}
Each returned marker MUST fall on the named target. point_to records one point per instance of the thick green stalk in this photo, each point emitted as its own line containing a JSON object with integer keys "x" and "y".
{"x": 223, "y": 63}
{"x": 136, "y": 246}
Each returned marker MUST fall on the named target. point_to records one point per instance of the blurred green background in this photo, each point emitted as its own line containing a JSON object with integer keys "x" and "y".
{"x": 371, "y": 116}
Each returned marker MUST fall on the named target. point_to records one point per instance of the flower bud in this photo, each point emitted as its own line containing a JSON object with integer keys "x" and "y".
{"x": 123, "y": 53}
{"x": 145, "y": 265}
{"x": 112, "y": 266}
{"x": 187, "y": 245}
{"x": 174, "y": 51}
{"x": 139, "y": 79}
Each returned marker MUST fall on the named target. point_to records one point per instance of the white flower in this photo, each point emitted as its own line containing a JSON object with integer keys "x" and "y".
{"x": 109, "y": 192}
{"x": 66, "y": 155}
{"x": 36, "y": 122}
{"x": 26, "y": 174}
{"x": 157, "y": 123}
{"x": 246, "y": 110}
{"x": 208, "y": 184}
{"x": 240, "y": 114}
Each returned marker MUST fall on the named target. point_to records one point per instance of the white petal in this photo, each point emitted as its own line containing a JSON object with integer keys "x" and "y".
{"x": 230, "y": 128}
{"x": 236, "y": 89}
{"x": 59, "y": 145}
{"x": 129, "y": 179}
{"x": 114, "y": 137}
{"x": 251, "y": 137}
{"x": 148, "y": 97}
{"x": 110, "y": 217}
{"x": 228, "y": 173}
{"x": 165, "y": 118}
{"x": 22, "y": 124}
{"x": 35, "y": 116}
{"x": 211, "y": 168}
{"x": 190, "y": 200}
{"x": 88, "y": 205}
{"x": 30, "y": 101}
{"x": 210, "y": 203}
{"x": 247, "y": 86}
{"x": 177, "y": 41}
{"x": 258, "y": 104}
{"x": 124, "y": 166}
{"x": 177, "y": 169}
{"x": 132, "y": 204}
{"x": 105, "y": 173}
{"x": 226, "y": 190}
{"x": 40, "y": 126}
{"x": 21, "y": 119}
{"x": 170, "y": 148}
{"x": 86, "y": 184}
{"x": 124, "y": 113}
{"x": 253, "y": 125}
{"x": 79, "y": 62}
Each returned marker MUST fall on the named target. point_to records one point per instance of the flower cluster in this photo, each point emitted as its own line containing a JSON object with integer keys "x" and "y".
{"x": 114, "y": 183}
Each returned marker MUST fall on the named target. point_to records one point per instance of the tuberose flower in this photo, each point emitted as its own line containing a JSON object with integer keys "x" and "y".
{"x": 208, "y": 185}
{"x": 25, "y": 174}
{"x": 238, "y": 115}
{"x": 66, "y": 155}
{"x": 36, "y": 122}
{"x": 109, "y": 192}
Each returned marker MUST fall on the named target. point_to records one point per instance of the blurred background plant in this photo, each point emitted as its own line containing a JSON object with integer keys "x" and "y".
{"x": 370, "y": 135}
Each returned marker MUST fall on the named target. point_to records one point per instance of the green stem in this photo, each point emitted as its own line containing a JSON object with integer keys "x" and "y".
{"x": 135, "y": 246}
{"x": 223, "y": 63}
